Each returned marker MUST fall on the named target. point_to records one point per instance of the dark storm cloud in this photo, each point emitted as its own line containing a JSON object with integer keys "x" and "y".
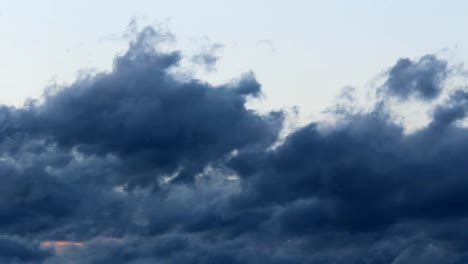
{"x": 139, "y": 165}
{"x": 31, "y": 201}
{"x": 17, "y": 250}
{"x": 422, "y": 78}
{"x": 454, "y": 109}
{"x": 156, "y": 123}
{"x": 361, "y": 176}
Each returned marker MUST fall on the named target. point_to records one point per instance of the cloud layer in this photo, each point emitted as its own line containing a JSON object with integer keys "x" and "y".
{"x": 139, "y": 165}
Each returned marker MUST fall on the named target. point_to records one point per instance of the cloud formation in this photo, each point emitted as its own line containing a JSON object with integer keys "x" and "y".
{"x": 139, "y": 165}
{"x": 422, "y": 79}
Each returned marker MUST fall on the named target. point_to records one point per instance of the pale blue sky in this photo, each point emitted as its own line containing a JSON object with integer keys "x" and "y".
{"x": 316, "y": 48}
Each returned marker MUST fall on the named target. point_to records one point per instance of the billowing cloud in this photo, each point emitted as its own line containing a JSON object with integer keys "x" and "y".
{"x": 155, "y": 123}
{"x": 17, "y": 250}
{"x": 140, "y": 165}
{"x": 422, "y": 79}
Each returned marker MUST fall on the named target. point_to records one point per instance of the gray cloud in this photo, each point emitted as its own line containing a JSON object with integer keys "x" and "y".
{"x": 137, "y": 166}
{"x": 422, "y": 79}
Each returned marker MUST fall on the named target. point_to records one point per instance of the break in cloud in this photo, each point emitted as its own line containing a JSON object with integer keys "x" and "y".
{"x": 137, "y": 165}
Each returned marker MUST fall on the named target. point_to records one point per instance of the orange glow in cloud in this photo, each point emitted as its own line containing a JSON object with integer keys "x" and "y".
{"x": 60, "y": 243}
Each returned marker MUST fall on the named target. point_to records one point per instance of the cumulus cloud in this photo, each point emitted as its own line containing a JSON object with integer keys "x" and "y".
{"x": 17, "y": 250}
{"x": 136, "y": 165}
{"x": 156, "y": 124}
{"x": 422, "y": 78}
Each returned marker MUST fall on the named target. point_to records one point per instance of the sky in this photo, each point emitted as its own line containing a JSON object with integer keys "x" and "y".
{"x": 309, "y": 48}
{"x": 234, "y": 132}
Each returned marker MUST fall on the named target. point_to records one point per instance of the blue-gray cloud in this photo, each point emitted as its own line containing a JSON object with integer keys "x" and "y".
{"x": 136, "y": 165}
{"x": 422, "y": 79}
{"x": 207, "y": 57}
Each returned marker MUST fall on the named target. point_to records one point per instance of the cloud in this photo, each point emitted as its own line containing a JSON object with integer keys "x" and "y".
{"x": 422, "y": 79}
{"x": 156, "y": 124}
{"x": 17, "y": 250}
{"x": 207, "y": 57}
{"x": 137, "y": 165}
